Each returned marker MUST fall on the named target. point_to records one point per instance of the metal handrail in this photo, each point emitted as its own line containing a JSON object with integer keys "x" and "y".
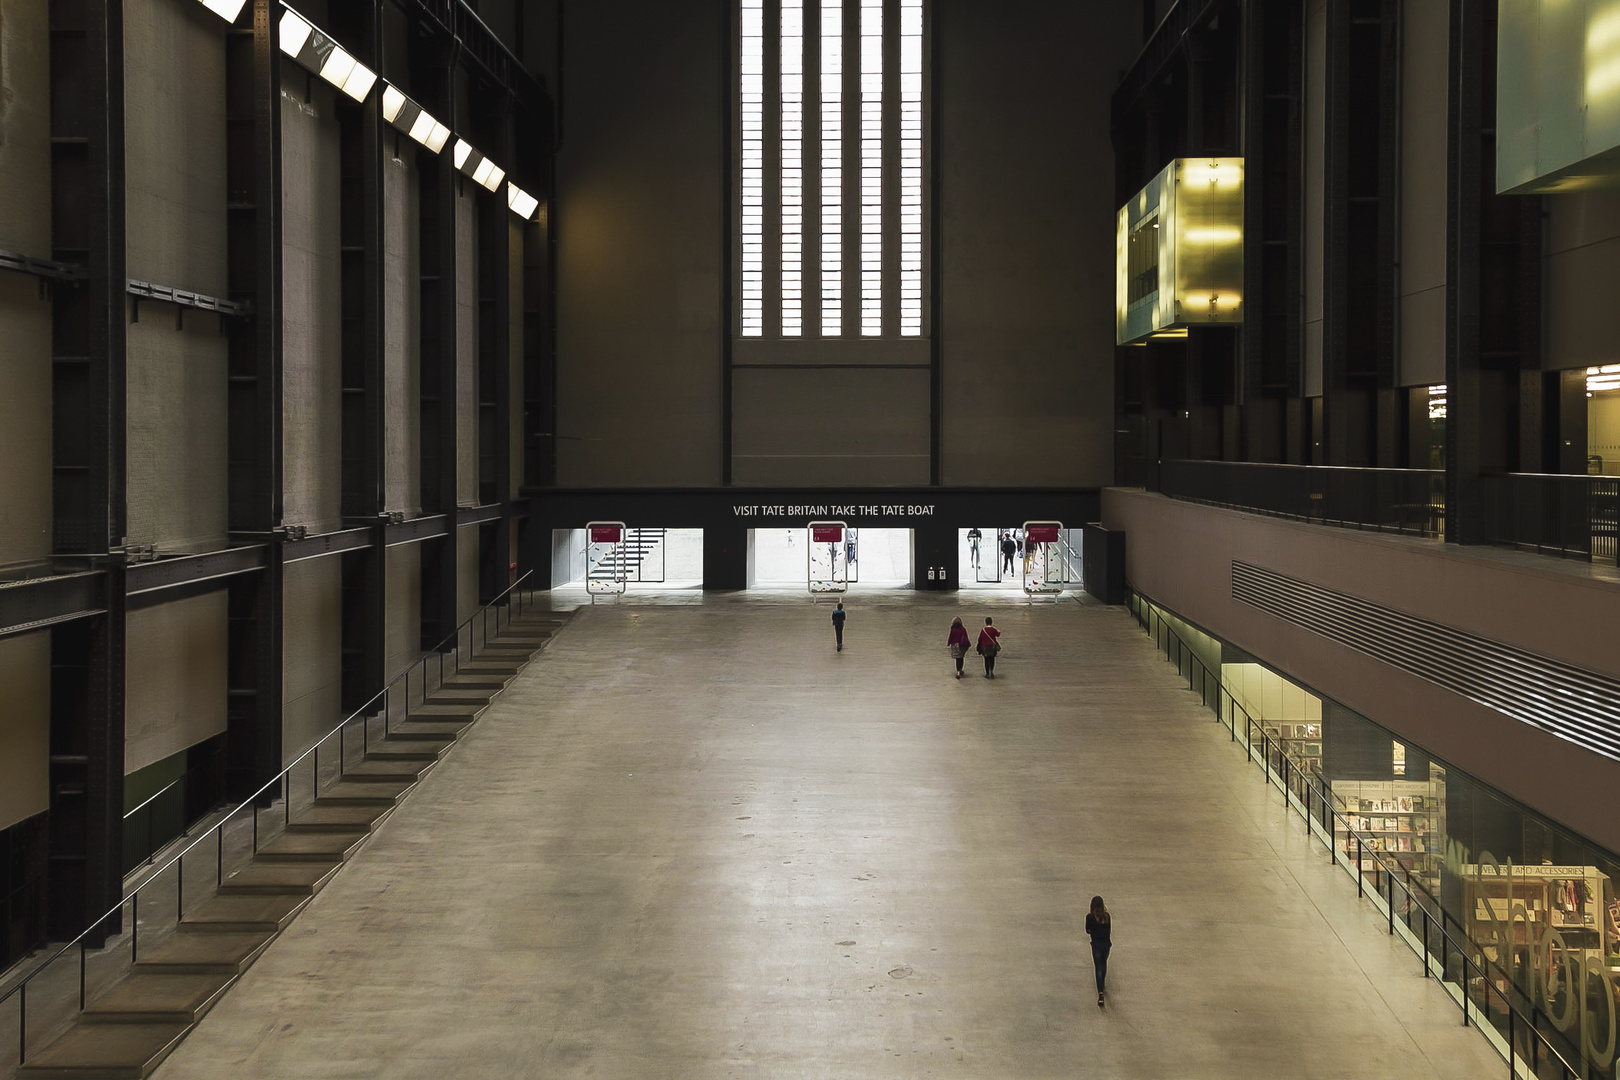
{"x": 363, "y": 713}
{"x": 1385, "y": 871}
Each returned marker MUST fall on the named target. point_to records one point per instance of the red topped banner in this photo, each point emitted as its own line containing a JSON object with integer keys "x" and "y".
{"x": 1042, "y": 534}
{"x": 606, "y": 534}
{"x": 827, "y": 534}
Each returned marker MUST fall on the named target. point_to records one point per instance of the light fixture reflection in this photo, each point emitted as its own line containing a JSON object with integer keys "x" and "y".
{"x": 225, "y": 9}
{"x": 520, "y": 202}
{"x": 412, "y": 119}
{"x": 316, "y": 51}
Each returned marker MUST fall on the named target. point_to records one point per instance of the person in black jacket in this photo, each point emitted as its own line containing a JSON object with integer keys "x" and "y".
{"x": 1100, "y": 925}
{"x": 838, "y": 626}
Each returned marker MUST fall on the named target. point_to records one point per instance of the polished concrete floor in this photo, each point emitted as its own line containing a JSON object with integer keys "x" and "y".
{"x": 694, "y": 841}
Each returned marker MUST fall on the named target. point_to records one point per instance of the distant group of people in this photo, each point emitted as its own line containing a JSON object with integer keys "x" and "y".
{"x": 1099, "y": 923}
{"x": 1010, "y": 542}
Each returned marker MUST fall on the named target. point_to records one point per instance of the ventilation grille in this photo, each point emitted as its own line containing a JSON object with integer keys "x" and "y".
{"x": 1572, "y": 703}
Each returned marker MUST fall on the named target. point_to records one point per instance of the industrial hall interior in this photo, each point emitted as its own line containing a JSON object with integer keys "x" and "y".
{"x": 764, "y": 538}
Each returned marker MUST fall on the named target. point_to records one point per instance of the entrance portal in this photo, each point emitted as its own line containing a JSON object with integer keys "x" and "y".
{"x": 648, "y": 559}
{"x": 984, "y": 565}
{"x": 877, "y": 558}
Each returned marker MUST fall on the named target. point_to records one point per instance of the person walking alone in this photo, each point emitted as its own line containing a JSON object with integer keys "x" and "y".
{"x": 975, "y": 537}
{"x": 989, "y": 646}
{"x": 958, "y": 643}
{"x": 1100, "y": 925}
{"x": 838, "y": 625}
{"x": 1009, "y": 548}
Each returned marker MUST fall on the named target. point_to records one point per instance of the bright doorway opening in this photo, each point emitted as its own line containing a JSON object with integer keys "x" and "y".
{"x": 878, "y": 558}
{"x": 649, "y": 559}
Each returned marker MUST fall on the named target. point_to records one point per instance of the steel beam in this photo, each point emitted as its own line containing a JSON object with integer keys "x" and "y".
{"x": 429, "y": 527}
{"x": 153, "y": 579}
{"x": 36, "y": 603}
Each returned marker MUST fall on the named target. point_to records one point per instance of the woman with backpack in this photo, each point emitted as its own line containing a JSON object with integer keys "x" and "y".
{"x": 989, "y": 645}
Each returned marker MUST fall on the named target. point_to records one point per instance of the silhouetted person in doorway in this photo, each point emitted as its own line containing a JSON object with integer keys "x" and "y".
{"x": 1009, "y": 549}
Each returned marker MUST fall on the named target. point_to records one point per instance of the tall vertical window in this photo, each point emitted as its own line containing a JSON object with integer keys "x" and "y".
{"x": 832, "y": 168}
{"x": 871, "y": 168}
{"x": 911, "y": 167}
{"x": 792, "y": 168}
{"x": 832, "y": 160}
{"x": 752, "y": 113}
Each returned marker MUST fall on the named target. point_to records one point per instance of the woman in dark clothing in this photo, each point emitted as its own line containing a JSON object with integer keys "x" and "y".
{"x": 989, "y": 645}
{"x": 958, "y": 643}
{"x": 1100, "y": 925}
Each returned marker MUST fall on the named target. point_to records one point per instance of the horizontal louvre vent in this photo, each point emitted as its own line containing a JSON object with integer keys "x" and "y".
{"x": 1576, "y": 705}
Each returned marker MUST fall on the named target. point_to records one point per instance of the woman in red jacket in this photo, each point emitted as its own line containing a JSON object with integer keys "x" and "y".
{"x": 957, "y": 642}
{"x": 989, "y": 645}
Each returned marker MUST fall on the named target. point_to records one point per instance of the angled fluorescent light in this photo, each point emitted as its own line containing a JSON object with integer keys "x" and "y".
{"x": 294, "y": 33}
{"x": 225, "y": 9}
{"x": 412, "y": 119}
{"x": 483, "y": 171}
{"x": 520, "y": 202}
{"x": 318, "y": 52}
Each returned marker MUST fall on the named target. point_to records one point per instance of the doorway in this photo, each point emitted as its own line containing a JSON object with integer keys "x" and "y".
{"x": 876, "y": 558}
{"x": 649, "y": 559}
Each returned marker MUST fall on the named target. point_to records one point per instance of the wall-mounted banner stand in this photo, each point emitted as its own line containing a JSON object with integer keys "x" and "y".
{"x": 606, "y": 569}
{"x": 827, "y": 557}
{"x": 1043, "y": 558}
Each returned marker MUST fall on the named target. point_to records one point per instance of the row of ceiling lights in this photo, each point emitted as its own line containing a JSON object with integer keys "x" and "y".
{"x": 318, "y": 52}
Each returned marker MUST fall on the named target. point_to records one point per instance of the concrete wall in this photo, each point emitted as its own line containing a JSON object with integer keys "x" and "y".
{"x": 1425, "y": 61}
{"x": 25, "y": 729}
{"x": 1315, "y": 193}
{"x": 403, "y": 639}
{"x": 1583, "y": 261}
{"x": 639, "y": 226}
{"x": 1180, "y": 554}
{"x": 312, "y": 665}
{"x": 174, "y": 119}
{"x": 1028, "y": 238}
{"x": 25, "y": 317}
{"x": 1022, "y": 139}
{"x": 175, "y": 677}
{"x": 402, "y": 333}
{"x": 312, "y": 372}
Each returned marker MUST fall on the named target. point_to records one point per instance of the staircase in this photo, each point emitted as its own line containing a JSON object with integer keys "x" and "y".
{"x": 128, "y": 1030}
{"x": 625, "y": 560}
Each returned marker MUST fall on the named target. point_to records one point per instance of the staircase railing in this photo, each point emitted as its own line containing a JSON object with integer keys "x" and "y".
{"x": 233, "y": 840}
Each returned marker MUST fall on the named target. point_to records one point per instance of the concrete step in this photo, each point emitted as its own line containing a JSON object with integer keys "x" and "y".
{"x": 279, "y": 877}
{"x": 477, "y": 698}
{"x": 106, "y": 1052}
{"x": 434, "y": 732}
{"x": 330, "y": 847}
{"x": 233, "y": 914}
{"x": 406, "y": 750}
{"x": 475, "y": 682}
{"x": 203, "y": 954}
{"x": 515, "y": 654}
{"x": 339, "y": 818}
{"x": 376, "y": 768}
{"x": 150, "y": 998}
{"x": 490, "y": 667}
{"x": 463, "y": 713}
{"x": 377, "y": 792}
